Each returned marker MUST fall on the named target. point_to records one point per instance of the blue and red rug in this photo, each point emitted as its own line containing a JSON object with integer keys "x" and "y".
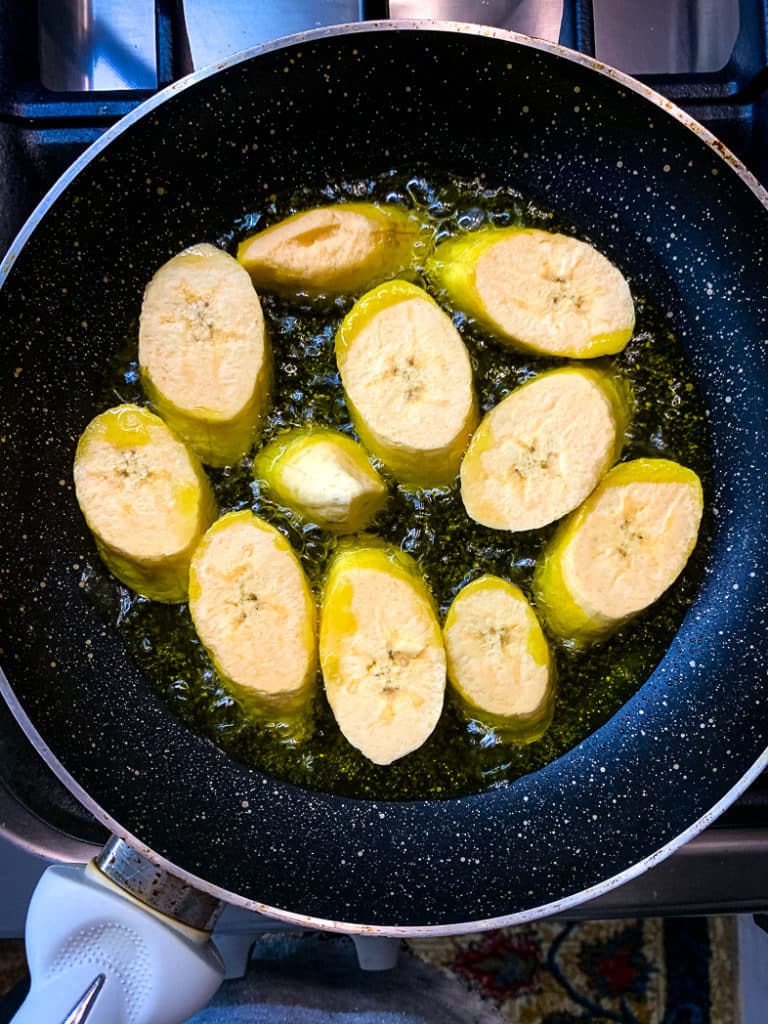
{"x": 645, "y": 971}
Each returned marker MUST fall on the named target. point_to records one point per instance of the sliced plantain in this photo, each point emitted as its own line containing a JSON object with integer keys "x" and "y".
{"x": 204, "y": 353}
{"x": 255, "y": 614}
{"x": 499, "y": 662}
{"x": 408, "y": 383}
{"x": 145, "y": 498}
{"x": 333, "y": 250}
{"x": 620, "y": 551}
{"x": 324, "y": 476}
{"x": 543, "y": 449}
{"x": 542, "y": 292}
{"x": 381, "y": 651}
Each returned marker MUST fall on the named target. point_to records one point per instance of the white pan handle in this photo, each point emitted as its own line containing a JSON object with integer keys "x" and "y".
{"x": 100, "y": 957}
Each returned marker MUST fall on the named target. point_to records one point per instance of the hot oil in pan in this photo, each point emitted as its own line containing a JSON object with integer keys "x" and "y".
{"x": 459, "y": 757}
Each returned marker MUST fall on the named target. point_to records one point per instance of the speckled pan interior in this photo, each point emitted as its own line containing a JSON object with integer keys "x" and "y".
{"x": 657, "y": 200}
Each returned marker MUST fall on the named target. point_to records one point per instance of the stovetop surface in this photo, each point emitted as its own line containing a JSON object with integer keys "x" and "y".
{"x": 64, "y": 78}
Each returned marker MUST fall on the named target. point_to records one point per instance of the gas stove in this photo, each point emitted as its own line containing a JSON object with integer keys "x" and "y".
{"x": 69, "y": 69}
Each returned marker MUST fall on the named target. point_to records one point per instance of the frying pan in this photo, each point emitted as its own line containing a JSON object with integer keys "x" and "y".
{"x": 660, "y": 197}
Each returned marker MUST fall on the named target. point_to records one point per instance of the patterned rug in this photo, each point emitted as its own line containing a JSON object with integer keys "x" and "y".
{"x": 646, "y": 971}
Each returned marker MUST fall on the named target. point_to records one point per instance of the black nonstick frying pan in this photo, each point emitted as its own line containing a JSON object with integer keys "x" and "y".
{"x": 659, "y": 196}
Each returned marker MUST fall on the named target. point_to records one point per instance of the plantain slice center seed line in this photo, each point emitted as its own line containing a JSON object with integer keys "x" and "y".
{"x": 567, "y": 296}
{"x": 131, "y": 465}
{"x": 248, "y": 602}
{"x": 562, "y": 297}
{"x": 497, "y": 638}
{"x": 197, "y": 311}
{"x": 528, "y": 460}
{"x": 409, "y": 378}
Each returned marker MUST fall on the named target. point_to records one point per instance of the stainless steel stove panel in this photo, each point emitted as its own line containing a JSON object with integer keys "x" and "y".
{"x": 97, "y": 45}
{"x": 218, "y": 28}
{"x": 666, "y": 36}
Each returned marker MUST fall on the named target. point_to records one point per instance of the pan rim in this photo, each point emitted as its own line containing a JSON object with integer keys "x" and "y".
{"x": 143, "y": 109}
{"x": 307, "y": 921}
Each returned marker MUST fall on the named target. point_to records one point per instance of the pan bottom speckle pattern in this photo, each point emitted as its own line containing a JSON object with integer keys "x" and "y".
{"x": 462, "y": 756}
